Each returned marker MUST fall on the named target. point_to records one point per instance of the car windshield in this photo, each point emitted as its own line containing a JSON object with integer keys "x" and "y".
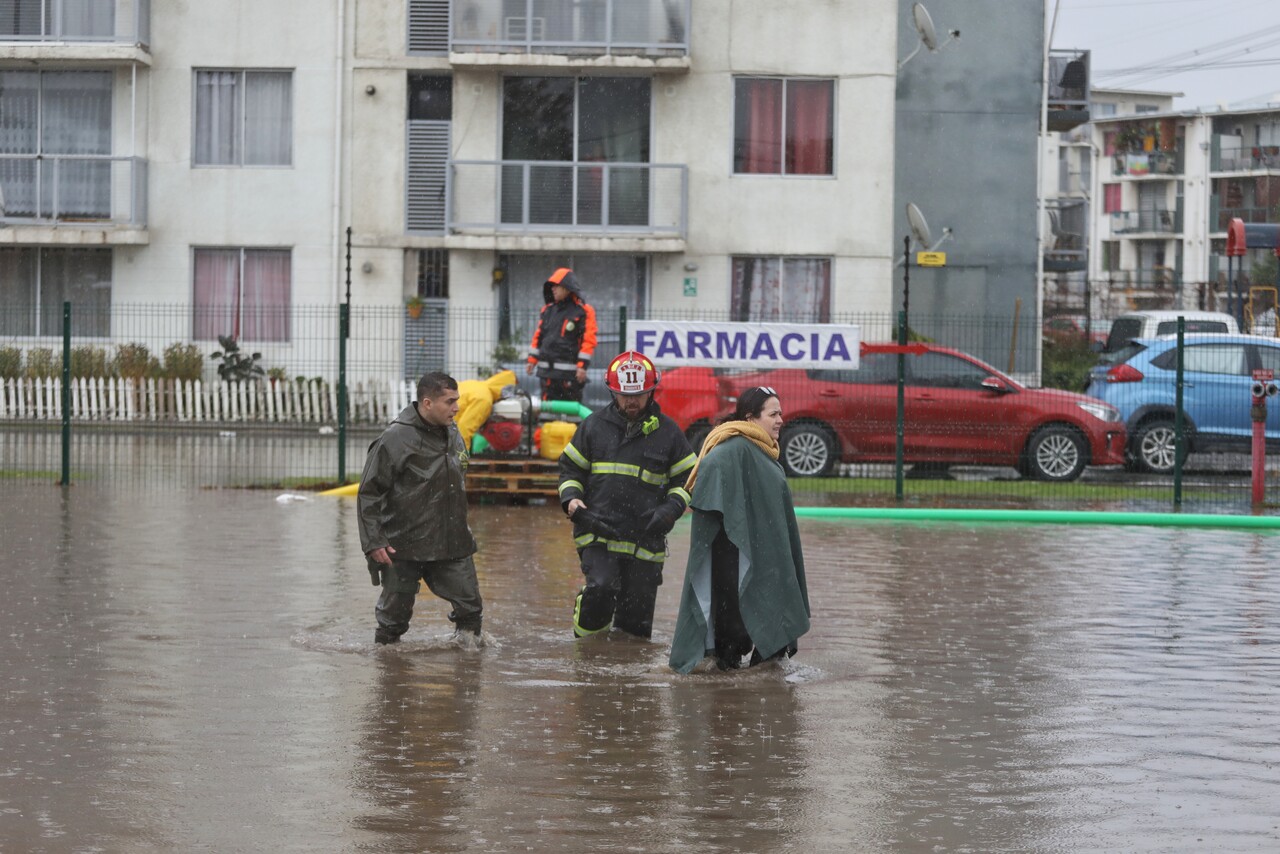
{"x": 1170, "y": 327}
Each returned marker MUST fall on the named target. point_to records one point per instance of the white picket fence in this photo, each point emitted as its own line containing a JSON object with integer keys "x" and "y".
{"x": 165, "y": 400}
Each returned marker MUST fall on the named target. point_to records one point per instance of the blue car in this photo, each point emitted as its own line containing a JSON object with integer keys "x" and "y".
{"x": 1218, "y": 370}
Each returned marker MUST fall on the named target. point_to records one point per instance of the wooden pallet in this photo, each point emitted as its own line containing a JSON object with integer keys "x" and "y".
{"x": 513, "y": 477}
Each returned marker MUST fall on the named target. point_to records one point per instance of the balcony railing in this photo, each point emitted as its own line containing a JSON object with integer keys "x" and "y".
{"x": 555, "y": 197}
{"x": 73, "y": 189}
{"x": 1230, "y": 156}
{"x": 1149, "y": 221}
{"x": 104, "y": 21}
{"x": 1141, "y": 163}
{"x": 582, "y": 27}
{"x": 1220, "y": 217}
{"x": 1153, "y": 279}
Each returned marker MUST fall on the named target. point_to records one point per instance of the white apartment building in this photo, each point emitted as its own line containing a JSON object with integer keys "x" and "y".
{"x": 1147, "y": 193}
{"x": 733, "y": 159}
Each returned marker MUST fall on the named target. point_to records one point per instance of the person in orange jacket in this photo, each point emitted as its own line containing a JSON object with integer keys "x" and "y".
{"x": 565, "y": 338}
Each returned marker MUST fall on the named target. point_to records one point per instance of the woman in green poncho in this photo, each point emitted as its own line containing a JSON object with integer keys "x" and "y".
{"x": 744, "y": 587}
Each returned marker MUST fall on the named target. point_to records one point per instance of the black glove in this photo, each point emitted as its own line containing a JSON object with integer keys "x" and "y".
{"x": 595, "y": 524}
{"x": 375, "y": 571}
{"x": 659, "y": 521}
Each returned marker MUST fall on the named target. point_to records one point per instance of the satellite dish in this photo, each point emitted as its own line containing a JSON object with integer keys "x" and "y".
{"x": 924, "y": 26}
{"x": 923, "y": 23}
{"x": 919, "y": 225}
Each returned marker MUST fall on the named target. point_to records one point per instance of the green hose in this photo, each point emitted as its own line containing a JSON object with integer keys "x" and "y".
{"x": 1050, "y": 517}
{"x": 566, "y": 407}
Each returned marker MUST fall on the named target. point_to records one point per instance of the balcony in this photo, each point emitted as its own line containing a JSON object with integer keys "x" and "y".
{"x": 502, "y": 32}
{"x": 1147, "y": 164}
{"x": 1066, "y": 245}
{"x": 1146, "y": 221}
{"x": 1068, "y": 90}
{"x": 1229, "y": 156}
{"x": 567, "y": 199}
{"x": 1148, "y": 279}
{"x": 1220, "y": 217}
{"x": 84, "y": 30}
{"x": 90, "y": 193}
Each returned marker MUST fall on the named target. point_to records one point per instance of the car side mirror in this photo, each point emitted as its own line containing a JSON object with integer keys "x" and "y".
{"x": 995, "y": 384}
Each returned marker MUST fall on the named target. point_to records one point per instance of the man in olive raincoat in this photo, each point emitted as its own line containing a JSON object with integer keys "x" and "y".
{"x": 413, "y": 513}
{"x": 740, "y": 493}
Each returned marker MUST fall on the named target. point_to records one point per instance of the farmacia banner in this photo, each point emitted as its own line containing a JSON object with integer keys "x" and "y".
{"x": 745, "y": 345}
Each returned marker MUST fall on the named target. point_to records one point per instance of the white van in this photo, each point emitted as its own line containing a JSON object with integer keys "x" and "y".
{"x": 1148, "y": 324}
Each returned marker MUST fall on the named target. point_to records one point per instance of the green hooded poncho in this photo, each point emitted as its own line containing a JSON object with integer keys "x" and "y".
{"x": 739, "y": 484}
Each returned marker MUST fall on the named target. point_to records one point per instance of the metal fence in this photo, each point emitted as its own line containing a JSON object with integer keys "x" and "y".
{"x": 989, "y": 413}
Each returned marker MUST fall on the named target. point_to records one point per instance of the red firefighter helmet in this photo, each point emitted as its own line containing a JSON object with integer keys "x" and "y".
{"x": 631, "y": 373}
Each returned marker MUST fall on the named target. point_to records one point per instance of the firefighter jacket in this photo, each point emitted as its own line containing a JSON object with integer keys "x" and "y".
{"x": 565, "y": 339}
{"x": 623, "y": 469}
{"x": 412, "y": 495}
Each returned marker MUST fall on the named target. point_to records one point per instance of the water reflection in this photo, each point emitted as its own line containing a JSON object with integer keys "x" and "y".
{"x": 188, "y": 669}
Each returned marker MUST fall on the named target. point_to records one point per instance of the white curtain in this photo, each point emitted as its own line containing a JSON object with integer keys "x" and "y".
{"x": 796, "y": 290}
{"x": 76, "y": 120}
{"x": 268, "y": 118}
{"x": 88, "y": 18}
{"x": 217, "y": 118}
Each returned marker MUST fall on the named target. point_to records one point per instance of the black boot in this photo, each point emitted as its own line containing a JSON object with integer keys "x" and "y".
{"x": 382, "y": 636}
{"x": 467, "y": 624}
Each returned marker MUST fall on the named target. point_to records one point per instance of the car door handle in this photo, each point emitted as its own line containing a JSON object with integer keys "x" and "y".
{"x": 826, "y": 392}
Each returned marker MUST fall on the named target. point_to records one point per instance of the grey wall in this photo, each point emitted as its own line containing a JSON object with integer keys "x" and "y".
{"x": 967, "y": 134}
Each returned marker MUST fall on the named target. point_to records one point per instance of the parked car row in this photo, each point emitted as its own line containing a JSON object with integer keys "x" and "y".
{"x": 957, "y": 410}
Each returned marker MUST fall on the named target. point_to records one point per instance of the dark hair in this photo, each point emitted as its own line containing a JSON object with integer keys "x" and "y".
{"x": 434, "y": 382}
{"x": 751, "y": 402}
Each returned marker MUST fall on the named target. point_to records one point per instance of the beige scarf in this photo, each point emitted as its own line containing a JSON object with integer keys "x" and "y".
{"x": 728, "y": 430}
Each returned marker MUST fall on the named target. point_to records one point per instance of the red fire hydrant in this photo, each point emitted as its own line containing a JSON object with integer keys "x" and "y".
{"x": 1261, "y": 390}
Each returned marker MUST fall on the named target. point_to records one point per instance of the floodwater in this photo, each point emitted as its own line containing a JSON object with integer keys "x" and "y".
{"x": 193, "y": 670}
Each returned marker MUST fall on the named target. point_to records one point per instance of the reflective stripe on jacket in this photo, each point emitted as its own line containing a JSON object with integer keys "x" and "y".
{"x": 622, "y": 470}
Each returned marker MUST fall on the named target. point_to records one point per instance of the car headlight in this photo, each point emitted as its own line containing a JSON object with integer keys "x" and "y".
{"x": 1101, "y": 411}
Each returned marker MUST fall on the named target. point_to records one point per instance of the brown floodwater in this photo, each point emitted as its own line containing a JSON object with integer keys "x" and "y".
{"x": 194, "y": 670}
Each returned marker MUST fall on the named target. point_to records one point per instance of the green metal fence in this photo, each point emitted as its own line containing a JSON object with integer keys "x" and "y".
{"x": 133, "y": 392}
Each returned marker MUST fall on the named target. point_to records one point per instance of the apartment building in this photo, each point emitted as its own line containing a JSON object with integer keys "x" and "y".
{"x": 732, "y": 160}
{"x": 1155, "y": 190}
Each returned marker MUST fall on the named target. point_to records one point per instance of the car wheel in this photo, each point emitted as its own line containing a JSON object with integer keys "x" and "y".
{"x": 808, "y": 450}
{"x": 1057, "y": 453}
{"x": 1152, "y": 447}
{"x": 697, "y": 434}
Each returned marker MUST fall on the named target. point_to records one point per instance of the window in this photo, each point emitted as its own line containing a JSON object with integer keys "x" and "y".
{"x": 1112, "y": 195}
{"x": 433, "y": 273}
{"x": 789, "y": 289}
{"x": 243, "y": 118}
{"x": 939, "y": 370}
{"x": 1101, "y": 110}
{"x": 593, "y": 121}
{"x": 1145, "y": 108}
{"x": 1111, "y": 256}
{"x": 35, "y": 282}
{"x": 244, "y": 293}
{"x": 57, "y": 126}
{"x": 783, "y": 126}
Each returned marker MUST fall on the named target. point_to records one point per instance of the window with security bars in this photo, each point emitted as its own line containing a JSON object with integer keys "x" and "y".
{"x": 433, "y": 273}
{"x": 242, "y": 293}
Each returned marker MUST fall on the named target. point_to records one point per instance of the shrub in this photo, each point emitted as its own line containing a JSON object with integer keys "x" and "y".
{"x": 134, "y": 361}
{"x": 1067, "y": 362}
{"x": 41, "y": 362}
{"x": 277, "y": 374}
{"x": 233, "y": 365}
{"x": 182, "y": 362}
{"x": 88, "y": 361}
{"x": 10, "y": 363}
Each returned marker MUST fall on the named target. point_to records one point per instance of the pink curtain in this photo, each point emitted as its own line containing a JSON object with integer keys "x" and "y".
{"x": 809, "y": 127}
{"x": 265, "y": 309}
{"x": 216, "y": 294}
{"x": 1111, "y": 198}
{"x": 759, "y": 122}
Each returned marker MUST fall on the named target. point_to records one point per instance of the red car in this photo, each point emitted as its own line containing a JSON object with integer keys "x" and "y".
{"x": 958, "y": 410}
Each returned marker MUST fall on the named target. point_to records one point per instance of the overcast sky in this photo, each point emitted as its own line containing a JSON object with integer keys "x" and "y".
{"x": 1214, "y": 51}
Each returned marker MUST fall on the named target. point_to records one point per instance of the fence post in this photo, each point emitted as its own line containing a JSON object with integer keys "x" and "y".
{"x": 900, "y": 432}
{"x": 344, "y": 326}
{"x": 622, "y": 328}
{"x": 1179, "y": 441}
{"x": 66, "y": 393}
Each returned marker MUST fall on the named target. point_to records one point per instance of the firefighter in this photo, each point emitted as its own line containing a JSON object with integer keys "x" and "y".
{"x": 565, "y": 338}
{"x": 622, "y": 483}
